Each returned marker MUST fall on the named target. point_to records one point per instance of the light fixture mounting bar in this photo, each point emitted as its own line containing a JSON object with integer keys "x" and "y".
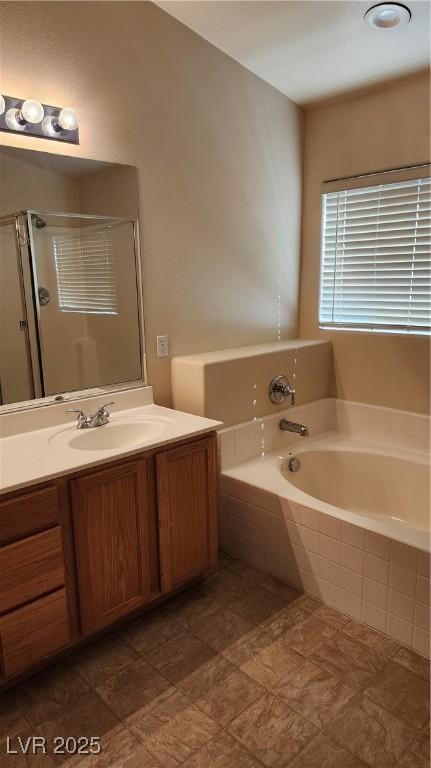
{"x": 37, "y": 129}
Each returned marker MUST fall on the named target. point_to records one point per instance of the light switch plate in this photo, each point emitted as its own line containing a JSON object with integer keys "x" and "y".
{"x": 162, "y": 346}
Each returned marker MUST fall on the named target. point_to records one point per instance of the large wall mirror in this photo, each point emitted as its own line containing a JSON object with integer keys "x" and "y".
{"x": 70, "y": 283}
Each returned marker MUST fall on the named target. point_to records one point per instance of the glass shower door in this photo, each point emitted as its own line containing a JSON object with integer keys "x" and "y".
{"x": 16, "y": 379}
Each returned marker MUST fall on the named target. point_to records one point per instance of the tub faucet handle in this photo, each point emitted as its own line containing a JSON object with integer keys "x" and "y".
{"x": 279, "y": 389}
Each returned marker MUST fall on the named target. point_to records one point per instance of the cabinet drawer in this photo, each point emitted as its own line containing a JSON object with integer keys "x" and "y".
{"x": 34, "y": 632}
{"x": 28, "y": 513}
{"x": 30, "y": 567}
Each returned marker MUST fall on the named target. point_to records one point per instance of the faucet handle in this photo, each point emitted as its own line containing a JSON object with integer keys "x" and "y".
{"x": 81, "y": 420}
{"x": 101, "y": 416}
{"x": 279, "y": 389}
{"x": 104, "y": 406}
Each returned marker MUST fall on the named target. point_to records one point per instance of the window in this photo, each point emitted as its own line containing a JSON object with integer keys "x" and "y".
{"x": 375, "y": 271}
{"x": 85, "y": 272}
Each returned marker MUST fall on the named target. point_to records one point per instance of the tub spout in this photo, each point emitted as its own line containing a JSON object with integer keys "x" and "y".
{"x": 292, "y": 426}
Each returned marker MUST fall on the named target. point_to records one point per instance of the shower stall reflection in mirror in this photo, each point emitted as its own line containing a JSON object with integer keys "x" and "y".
{"x": 71, "y": 315}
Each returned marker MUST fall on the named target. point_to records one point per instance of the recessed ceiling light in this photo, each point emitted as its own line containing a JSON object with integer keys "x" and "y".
{"x": 388, "y": 16}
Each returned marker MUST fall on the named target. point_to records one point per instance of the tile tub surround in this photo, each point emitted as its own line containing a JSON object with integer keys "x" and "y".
{"x": 370, "y": 577}
{"x": 231, "y": 674}
{"x": 387, "y": 426}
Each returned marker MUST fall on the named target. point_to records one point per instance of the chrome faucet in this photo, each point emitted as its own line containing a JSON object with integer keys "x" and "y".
{"x": 98, "y": 419}
{"x": 279, "y": 389}
{"x": 292, "y": 426}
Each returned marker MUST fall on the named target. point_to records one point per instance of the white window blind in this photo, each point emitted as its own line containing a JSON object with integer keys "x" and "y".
{"x": 375, "y": 271}
{"x": 85, "y": 272}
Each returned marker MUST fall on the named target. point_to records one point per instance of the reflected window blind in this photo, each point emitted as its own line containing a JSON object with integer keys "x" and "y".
{"x": 85, "y": 272}
{"x": 375, "y": 271}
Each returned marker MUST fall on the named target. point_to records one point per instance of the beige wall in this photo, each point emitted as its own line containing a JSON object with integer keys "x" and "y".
{"x": 387, "y": 128}
{"x": 24, "y": 185}
{"x": 111, "y": 192}
{"x": 218, "y": 153}
{"x": 232, "y": 385}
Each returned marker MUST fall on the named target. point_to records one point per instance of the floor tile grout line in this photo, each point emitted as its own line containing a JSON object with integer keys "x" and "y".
{"x": 319, "y": 730}
{"x": 192, "y": 703}
{"x": 241, "y": 744}
{"x": 141, "y": 743}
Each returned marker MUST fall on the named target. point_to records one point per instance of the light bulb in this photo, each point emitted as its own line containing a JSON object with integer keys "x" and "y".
{"x": 12, "y": 121}
{"x": 31, "y": 111}
{"x": 2, "y": 104}
{"x": 49, "y": 128}
{"x": 68, "y": 119}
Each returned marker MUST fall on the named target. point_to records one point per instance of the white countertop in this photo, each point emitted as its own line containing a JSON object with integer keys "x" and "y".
{"x": 31, "y": 457}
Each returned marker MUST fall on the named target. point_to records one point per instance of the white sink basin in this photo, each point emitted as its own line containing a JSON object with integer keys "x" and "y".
{"x": 119, "y": 434}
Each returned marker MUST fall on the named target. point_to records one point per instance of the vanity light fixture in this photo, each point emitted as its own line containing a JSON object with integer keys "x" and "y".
{"x": 41, "y": 120}
{"x": 388, "y": 15}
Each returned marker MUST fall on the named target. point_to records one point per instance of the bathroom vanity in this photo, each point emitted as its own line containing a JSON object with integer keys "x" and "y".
{"x": 90, "y": 547}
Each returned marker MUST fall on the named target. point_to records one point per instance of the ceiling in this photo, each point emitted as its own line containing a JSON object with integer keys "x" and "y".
{"x": 310, "y": 50}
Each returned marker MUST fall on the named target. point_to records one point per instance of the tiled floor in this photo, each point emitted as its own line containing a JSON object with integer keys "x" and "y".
{"x": 239, "y": 672}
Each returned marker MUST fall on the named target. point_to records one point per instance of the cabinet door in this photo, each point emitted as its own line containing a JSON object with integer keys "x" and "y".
{"x": 111, "y": 513}
{"x": 186, "y": 496}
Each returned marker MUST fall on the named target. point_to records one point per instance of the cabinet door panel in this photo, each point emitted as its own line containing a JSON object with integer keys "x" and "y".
{"x": 187, "y": 511}
{"x": 111, "y": 512}
{"x": 33, "y": 633}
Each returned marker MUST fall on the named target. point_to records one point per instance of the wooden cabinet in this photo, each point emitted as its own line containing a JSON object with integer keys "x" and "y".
{"x": 83, "y": 552}
{"x": 34, "y": 632}
{"x": 186, "y": 511}
{"x": 111, "y": 513}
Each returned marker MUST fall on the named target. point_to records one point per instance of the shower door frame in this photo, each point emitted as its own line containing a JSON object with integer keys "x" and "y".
{"x": 26, "y": 288}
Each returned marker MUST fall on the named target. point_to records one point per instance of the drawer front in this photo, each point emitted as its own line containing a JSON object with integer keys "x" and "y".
{"x": 28, "y": 513}
{"x": 30, "y": 567}
{"x": 34, "y": 632}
